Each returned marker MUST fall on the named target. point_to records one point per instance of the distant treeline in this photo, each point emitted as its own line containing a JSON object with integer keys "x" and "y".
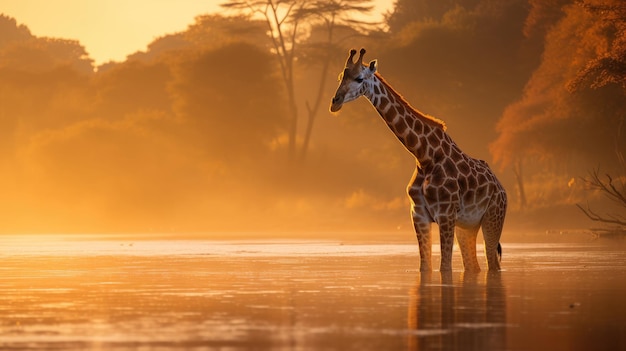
{"x": 199, "y": 132}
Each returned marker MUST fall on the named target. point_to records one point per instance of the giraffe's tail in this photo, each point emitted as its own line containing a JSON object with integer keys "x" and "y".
{"x": 499, "y": 252}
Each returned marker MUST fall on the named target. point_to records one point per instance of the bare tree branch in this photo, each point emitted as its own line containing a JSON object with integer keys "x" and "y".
{"x": 596, "y": 217}
{"x": 611, "y": 191}
{"x": 606, "y": 187}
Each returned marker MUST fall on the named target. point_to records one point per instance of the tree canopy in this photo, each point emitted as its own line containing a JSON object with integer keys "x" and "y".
{"x": 192, "y": 134}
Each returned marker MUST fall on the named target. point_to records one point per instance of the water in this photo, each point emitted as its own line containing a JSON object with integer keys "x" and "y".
{"x": 70, "y": 293}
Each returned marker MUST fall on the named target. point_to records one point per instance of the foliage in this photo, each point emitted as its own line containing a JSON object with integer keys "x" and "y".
{"x": 191, "y": 134}
{"x": 562, "y": 105}
{"x": 548, "y": 113}
{"x": 288, "y": 24}
{"x": 409, "y": 11}
{"x": 463, "y": 66}
{"x": 608, "y": 67}
{"x": 135, "y": 140}
{"x": 227, "y": 99}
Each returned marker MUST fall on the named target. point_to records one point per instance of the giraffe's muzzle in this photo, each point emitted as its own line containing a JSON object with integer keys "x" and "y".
{"x": 336, "y": 103}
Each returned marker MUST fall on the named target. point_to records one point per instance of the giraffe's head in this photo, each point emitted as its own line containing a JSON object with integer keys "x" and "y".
{"x": 353, "y": 81}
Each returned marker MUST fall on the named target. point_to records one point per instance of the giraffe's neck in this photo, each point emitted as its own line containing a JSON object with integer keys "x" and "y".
{"x": 422, "y": 135}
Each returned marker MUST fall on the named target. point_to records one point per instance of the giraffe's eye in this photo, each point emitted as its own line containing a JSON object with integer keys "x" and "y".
{"x": 358, "y": 79}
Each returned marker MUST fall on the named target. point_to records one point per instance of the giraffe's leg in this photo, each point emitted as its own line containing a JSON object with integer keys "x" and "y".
{"x": 422, "y": 231}
{"x": 446, "y": 240}
{"x": 421, "y": 220}
{"x": 466, "y": 237}
{"x": 492, "y": 224}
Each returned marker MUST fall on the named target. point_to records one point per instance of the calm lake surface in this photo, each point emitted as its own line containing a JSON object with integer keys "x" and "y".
{"x": 81, "y": 293}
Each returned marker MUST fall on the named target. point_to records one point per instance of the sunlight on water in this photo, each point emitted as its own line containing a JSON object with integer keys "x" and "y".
{"x": 67, "y": 245}
{"x": 76, "y": 293}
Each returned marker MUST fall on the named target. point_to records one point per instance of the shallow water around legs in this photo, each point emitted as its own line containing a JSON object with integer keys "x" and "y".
{"x": 79, "y": 294}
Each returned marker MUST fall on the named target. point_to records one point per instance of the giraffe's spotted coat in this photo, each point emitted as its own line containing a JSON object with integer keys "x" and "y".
{"x": 448, "y": 187}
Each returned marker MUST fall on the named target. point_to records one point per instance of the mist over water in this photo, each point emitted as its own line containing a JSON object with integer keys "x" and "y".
{"x": 76, "y": 293}
{"x": 213, "y": 130}
{"x": 177, "y": 138}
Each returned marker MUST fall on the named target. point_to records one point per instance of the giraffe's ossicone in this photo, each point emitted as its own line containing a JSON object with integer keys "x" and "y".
{"x": 448, "y": 187}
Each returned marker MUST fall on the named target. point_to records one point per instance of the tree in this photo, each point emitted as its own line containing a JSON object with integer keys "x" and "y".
{"x": 235, "y": 114}
{"x": 464, "y": 66}
{"x": 132, "y": 86}
{"x": 408, "y": 11}
{"x": 614, "y": 190}
{"x": 604, "y": 70}
{"x": 610, "y": 66}
{"x": 288, "y": 23}
{"x": 11, "y": 32}
{"x": 543, "y": 14}
{"x": 336, "y": 24}
{"x": 208, "y": 32}
{"x": 550, "y": 115}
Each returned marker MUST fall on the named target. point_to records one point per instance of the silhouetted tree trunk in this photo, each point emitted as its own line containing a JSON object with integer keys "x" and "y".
{"x": 332, "y": 14}
{"x": 331, "y": 17}
{"x": 517, "y": 170}
{"x": 287, "y": 21}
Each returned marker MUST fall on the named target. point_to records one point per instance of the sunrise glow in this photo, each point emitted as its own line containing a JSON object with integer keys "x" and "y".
{"x": 113, "y": 29}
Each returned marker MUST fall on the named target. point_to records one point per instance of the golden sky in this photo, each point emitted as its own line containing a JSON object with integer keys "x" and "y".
{"x": 113, "y": 29}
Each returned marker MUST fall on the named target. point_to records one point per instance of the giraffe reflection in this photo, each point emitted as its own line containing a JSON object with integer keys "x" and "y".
{"x": 468, "y": 314}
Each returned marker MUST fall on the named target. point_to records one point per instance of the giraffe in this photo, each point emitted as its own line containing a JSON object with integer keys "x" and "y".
{"x": 448, "y": 187}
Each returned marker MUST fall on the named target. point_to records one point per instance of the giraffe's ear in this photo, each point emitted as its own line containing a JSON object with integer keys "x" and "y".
{"x": 373, "y": 66}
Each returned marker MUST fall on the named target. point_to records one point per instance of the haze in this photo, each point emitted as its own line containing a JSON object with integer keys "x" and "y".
{"x": 111, "y": 30}
{"x": 189, "y": 130}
